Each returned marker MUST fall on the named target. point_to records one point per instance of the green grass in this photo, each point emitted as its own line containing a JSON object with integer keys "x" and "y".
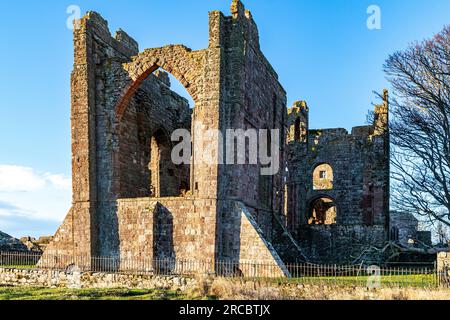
{"x": 28, "y": 267}
{"x": 419, "y": 280}
{"x": 29, "y": 293}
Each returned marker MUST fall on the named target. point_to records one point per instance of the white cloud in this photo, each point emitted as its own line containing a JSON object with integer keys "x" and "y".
{"x": 19, "y": 179}
{"x": 5, "y": 213}
{"x": 24, "y": 179}
{"x": 59, "y": 181}
{"x": 28, "y": 196}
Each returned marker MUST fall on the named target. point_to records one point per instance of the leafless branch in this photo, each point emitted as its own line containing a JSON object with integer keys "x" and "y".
{"x": 420, "y": 128}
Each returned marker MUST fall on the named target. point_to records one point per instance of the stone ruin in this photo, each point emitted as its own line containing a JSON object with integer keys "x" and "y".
{"x": 36, "y": 245}
{"x": 404, "y": 229}
{"x": 131, "y": 202}
{"x": 338, "y": 186}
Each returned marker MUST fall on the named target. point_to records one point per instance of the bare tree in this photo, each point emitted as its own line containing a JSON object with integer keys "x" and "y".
{"x": 420, "y": 128}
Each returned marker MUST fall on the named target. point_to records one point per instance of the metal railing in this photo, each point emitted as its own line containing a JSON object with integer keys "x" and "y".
{"x": 417, "y": 275}
{"x": 366, "y": 275}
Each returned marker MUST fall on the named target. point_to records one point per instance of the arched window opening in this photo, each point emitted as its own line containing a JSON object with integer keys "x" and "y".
{"x": 159, "y": 106}
{"x": 322, "y": 211}
{"x": 297, "y": 130}
{"x": 323, "y": 177}
{"x": 162, "y": 174}
{"x": 394, "y": 234}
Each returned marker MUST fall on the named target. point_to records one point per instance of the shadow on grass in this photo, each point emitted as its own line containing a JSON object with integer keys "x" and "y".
{"x": 29, "y": 293}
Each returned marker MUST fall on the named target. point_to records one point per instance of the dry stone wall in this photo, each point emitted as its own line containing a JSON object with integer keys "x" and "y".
{"x": 98, "y": 280}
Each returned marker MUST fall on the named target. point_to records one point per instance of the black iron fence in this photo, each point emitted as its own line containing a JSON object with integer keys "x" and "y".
{"x": 417, "y": 275}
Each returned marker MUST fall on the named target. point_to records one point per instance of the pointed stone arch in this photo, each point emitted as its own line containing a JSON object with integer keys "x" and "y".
{"x": 183, "y": 63}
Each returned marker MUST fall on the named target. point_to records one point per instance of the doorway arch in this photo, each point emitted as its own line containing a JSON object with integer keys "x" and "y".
{"x": 322, "y": 210}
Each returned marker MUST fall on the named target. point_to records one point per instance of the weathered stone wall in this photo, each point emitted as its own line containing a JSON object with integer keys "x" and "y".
{"x": 403, "y": 227}
{"x": 167, "y": 228}
{"x": 252, "y": 98}
{"x": 359, "y": 189}
{"x": 67, "y": 238}
{"x": 97, "y": 280}
{"x": 341, "y": 244}
{"x": 248, "y": 243}
{"x": 297, "y": 139}
{"x": 176, "y": 229}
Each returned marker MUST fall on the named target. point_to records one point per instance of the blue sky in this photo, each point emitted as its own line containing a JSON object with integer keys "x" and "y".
{"x": 321, "y": 49}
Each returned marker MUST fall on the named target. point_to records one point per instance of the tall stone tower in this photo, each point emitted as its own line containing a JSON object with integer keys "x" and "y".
{"x": 297, "y": 144}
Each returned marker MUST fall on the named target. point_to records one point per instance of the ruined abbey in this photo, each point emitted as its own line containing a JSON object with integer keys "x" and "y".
{"x": 329, "y": 201}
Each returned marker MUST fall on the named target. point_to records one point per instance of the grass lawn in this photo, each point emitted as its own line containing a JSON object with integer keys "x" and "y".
{"x": 29, "y": 293}
{"x": 419, "y": 280}
{"x": 19, "y": 267}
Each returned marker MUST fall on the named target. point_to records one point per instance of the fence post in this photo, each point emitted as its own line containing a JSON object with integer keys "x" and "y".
{"x": 436, "y": 274}
{"x": 335, "y": 274}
